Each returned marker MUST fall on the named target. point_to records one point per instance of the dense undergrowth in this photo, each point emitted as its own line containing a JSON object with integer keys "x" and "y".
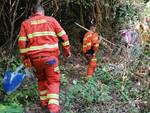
{"x": 109, "y": 91}
{"x": 23, "y": 96}
{"x": 120, "y": 85}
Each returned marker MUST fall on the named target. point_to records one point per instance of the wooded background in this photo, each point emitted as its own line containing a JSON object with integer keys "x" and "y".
{"x": 109, "y": 15}
{"x": 125, "y": 89}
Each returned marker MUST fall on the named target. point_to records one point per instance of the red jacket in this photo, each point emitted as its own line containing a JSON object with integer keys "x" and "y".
{"x": 90, "y": 41}
{"x": 39, "y": 34}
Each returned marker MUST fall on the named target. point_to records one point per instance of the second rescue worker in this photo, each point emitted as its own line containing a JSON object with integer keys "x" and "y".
{"x": 90, "y": 47}
{"x": 38, "y": 42}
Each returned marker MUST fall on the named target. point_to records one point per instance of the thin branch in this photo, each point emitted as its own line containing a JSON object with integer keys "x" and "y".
{"x": 7, "y": 10}
{"x": 45, "y": 2}
{"x": 6, "y": 43}
{"x": 8, "y": 17}
{"x": 15, "y": 42}
{"x": 13, "y": 21}
{"x": 57, "y": 8}
{"x": 5, "y": 24}
{"x": 22, "y": 13}
{"x": 1, "y": 10}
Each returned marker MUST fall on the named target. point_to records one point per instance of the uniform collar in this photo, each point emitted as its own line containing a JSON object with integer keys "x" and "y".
{"x": 38, "y": 14}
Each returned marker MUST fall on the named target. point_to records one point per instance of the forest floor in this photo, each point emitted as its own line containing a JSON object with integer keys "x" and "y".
{"x": 126, "y": 96}
{"x": 121, "y": 84}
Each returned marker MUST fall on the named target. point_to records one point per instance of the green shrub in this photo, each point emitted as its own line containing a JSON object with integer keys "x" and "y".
{"x": 84, "y": 94}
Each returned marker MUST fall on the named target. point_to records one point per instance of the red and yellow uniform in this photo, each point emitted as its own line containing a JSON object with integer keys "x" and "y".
{"x": 38, "y": 41}
{"x": 90, "y": 47}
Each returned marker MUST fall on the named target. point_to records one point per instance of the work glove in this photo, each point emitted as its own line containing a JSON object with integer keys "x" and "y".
{"x": 89, "y": 54}
{"x": 88, "y": 57}
{"x": 66, "y": 52}
{"x": 27, "y": 63}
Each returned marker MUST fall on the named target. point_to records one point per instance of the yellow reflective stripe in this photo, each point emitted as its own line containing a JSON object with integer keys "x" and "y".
{"x": 66, "y": 43}
{"x": 96, "y": 45}
{"x": 53, "y": 101}
{"x": 43, "y": 97}
{"x": 56, "y": 96}
{"x": 88, "y": 44}
{"x": 32, "y": 48}
{"x": 44, "y": 33}
{"x": 88, "y": 35}
{"x": 22, "y": 38}
{"x": 85, "y": 38}
{"x": 43, "y": 92}
{"x": 24, "y": 50}
{"x": 84, "y": 46}
{"x": 88, "y": 76}
{"x": 34, "y": 22}
{"x": 93, "y": 59}
{"x": 96, "y": 38}
{"x": 61, "y": 33}
{"x": 56, "y": 69}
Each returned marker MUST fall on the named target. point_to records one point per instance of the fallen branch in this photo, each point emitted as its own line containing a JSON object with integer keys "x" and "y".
{"x": 99, "y": 36}
{"x": 109, "y": 41}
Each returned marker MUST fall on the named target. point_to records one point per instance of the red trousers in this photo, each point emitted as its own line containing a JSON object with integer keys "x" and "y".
{"x": 91, "y": 66}
{"x": 48, "y": 75}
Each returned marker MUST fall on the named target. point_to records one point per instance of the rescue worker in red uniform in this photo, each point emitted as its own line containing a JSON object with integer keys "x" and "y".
{"x": 90, "y": 47}
{"x": 38, "y": 42}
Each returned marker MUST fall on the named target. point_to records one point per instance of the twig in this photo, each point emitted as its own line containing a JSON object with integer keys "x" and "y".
{"x": 5, "y": 43}
{"x": 13, "y": 22}
{"x": 15, "y": 42}
{"x": 45, "y": 2}
{"x": 1, "y": 10}
{"x": 5, "y": 24}
{"x": 21, "y": 14}
{"x": 56, "y": 7}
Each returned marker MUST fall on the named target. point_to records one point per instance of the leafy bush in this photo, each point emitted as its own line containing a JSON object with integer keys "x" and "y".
{"x": 12, "y": 108}
{"x": 80, "y": 94}
{"x": 126, "y": 15}
{"x": 25, "y": 95}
